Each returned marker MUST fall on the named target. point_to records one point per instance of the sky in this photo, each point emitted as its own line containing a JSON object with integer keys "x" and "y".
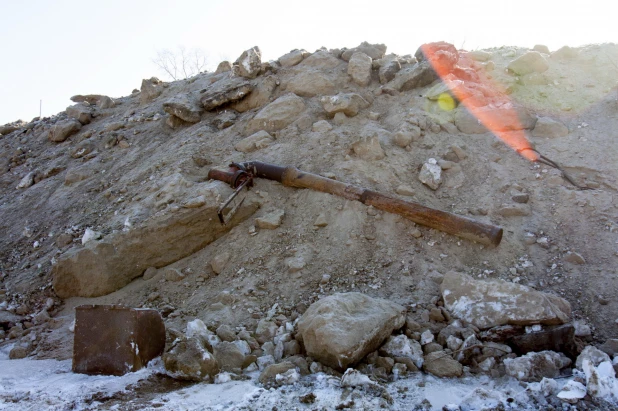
{"x": 52, "y": 50}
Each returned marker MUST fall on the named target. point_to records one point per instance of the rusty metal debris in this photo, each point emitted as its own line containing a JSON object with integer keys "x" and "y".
{"x": 241, "y": 173}
{"x": 115, "y": 340}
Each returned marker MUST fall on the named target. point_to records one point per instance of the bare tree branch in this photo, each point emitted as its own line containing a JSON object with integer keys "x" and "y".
{"x": 182, "y": 63}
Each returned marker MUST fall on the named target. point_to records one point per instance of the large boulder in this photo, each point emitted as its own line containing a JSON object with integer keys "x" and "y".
{"x": 278, "y": 114}
{"x": 225, "y": 91}
{"x": 189, "y": 359}
{"x": 359, "y": 68}
{"x": 150, "y": 90}
{"x": 535, "y": 366}
{"x": 420, "y": 75}
{"x": 488, "y": 304}
{"x": 63, "y": 130}
{"x": 184, "y": 107}
{"x": 259, "y": 96}
{"x": 341, "y": 329}
{"x": 80, "y": 112}
{"x": 102, "y": 267}
{"x": 309, "y": 83}
{"x": 292, "y": 58}
{"x": 99, "y": 100}
{"x": 441, "y": 364}
{"x": 249, "y": 64}
{"x": 347, "y": 103}
{"x": 322, "y": 60}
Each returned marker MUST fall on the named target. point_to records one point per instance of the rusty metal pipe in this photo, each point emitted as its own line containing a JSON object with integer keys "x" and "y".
{"x": 440, "y": 220}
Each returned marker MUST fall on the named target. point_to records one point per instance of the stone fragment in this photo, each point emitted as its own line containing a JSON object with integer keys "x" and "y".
{"x": 106, "y": 102}
{"x": 347, "y": 103}
{"x": 354, "y": 378}
{"x": 488, "y": 304}
{"x": 419, "y": 75}
{"x": 403, "y": 138}
{"x": 339, "y": 330}
{"x": 26, "y": 181}
{"x": 219, "y": 262}
{"x": 574, "y": 258}
{"x": 310, "y": 83}
{"x": 83, "y": 149}
{"x": 322, "y": 60}
{"x": 321, "y": 221}
{"x": 514, "y": 210}
{"x": 549, "y": 128}
{"x": 173, "y": 274}
{"x": 254, "y": 142}
{"x": 223, "y": 67}
{"x": 359, "y": 68}
{"x": 593, "y": 355}
{"x": 375, "y": 51}
{"x": 225, "y": 91}
{"x": 559, "y": 338}
{"x": 80, "y": 112}
{"x": 601, "y": 380}
{"x": 535, "y": 366}
{"x": 521, "y": 198}
{"x": 426, "y": 337}
{"x": 610, "y": 347}
{"x": 321, "y": 126}
{"x": 249, "y": 64}
{"x": 271, "y": 220}
{"x": 62, "y": 130}
{"x": 442, "y": 365}
{"x": 150, "y": 273}
{"x": 99, "y": 100}
{"x": 479, "y": 55}
{"x": 431, "y": 174}
{"x": 498, "y": 119}
{"x": 259, "y": 97}
{"x": 185, "y": 107}
{"x": 369, "y": 148}
{"x": 292, "y": 58}
{"x": 389, "y": 67}
{"x": 278, "y": 114}
{"x": 189, "y": 359}
{"x": 572, "y": 392}
{"x": 9, "y": 128}
{"x": 401, "y": 346}
{"x": 77, "y": 174}
{"x": 151, "y": 89}
{"x": 269, "y": 375}
{"x": 405, "y": 190}
{"x": 529, "y": 62}
{"x": 228, "y": 356}
{"x": 18, "y": 352}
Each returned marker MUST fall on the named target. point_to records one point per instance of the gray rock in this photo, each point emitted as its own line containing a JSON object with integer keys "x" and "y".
{"x": 226, "y": 333}
{"x": 506, "y": 119}
{"x": 173, "y": 274}
{"x": 321, "y": 126}
{"x": 62, "y": 130}
{"x": 431, "y": 174}
{"x": 541, "y": 48}
{"x": 375, "y": 51}
{"x": 368, "y": 148}
{"x": 27, "y": 181}
{"x": 310, "y": 83}
{"x": 292, "y": 58}
{"x": 574, "y": 258}
{"x": 572, "y": 392}
{"x": 610, "y": 347}
{"x": 359, "y": 68}
{"x": 265, "y": 331}
{"x": 268, "y": 377}
{"x": 223, "y": 67}
{"x": 185, "y": 107}
{"x": 347, "y": 103}
{"x": 278, "y": 114}
{"x": 225, "y": 91}
{"x": 322, "y": 60}
{"x": 254, "y": 142}
{"x": 492, "y": 303}
{"x": 419, "y": 75}
{"x": 530, "y": 62}
{"x": 106, "y": 102}
{"x": 535, "y": 366}
{"x": 547, "y": 127}
{"x": 219, "y": 262}
{"x": 224, "y": 120}
{"x": 401, "y": 346}
{"x": 190, "y": 360}
{"x": 341, "y": 329}
{"x": 176, "y": 122}
{"x": 479, "y": 55}
{"x": 581, "y": 329}
{"x": 150, "y": 90}
{"x": 249, "y": 64}
{"x": 18, "y": 352}
{"x": 442, "y": 365}
{"x": 150, "y": 273}
{"x": 592, "y": 354}
{"x": 271, "y": 220}
{"x": 514, "y": 210}
{"x": 229, "y": 356}
{"x": 99, "y": 100}
{"x": 80, "y": 112}
{"x": 9, "y": 128}
{"x": 389, "y": 67}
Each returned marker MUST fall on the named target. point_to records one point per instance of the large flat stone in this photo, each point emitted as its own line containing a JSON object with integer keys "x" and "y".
{"x": 341, "y": 329}
{"x": 488, "y": 304}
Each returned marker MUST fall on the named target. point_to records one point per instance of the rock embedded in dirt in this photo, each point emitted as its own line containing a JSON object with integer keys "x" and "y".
{"x": 401, "y": 346}
{"x": 254, "y": 142}
{"x": 549, "y": 128}
{"x": 488, "y": 304}
{"x": 229, "y": 357}
{"x": 431, "y": 174}
{"x": 502, "y": 119}
{"x": 514, "y": 210}
{"x": 185, "y": 107}
{"x": 528, "y": 63}
{"x": 419, "y": 75}
{"x": 219, "y": 262}
{"x": 189, "y": 359}
{"x": 559, "y": 338}
{"x": 339, "y": 330}
{"x": 271, "y": 220}
{"x": 292, "y": 58}
{"x": 574, "y": 258}
{"x": 173, "y": 274}
{"x": 150, "y": 273}
{"x": 249, "y": 64}
{"x": 359, "y": 68}
{"x": 369, "y": 148}
{"x": 442, "y": 365}
{"x": 150, "y": 90}
{"x": 347, "y": 103}
{"x": 225, "y": 91}
{"x": 278, "y": 114}
{"x": 535, "y": 366}
{"x": 268, "y": 377}
{"x": 80, "y": 112}
{"x": 62, "y": 130}
{"x": 389, "y": 67}
{"x": 310, "y": 83}
{"x": 18, "y": 352}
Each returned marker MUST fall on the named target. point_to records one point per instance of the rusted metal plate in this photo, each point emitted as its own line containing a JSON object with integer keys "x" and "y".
{"x": 115, "y": 340}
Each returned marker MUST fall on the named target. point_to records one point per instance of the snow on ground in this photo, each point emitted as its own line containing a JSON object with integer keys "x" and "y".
{"x": 51, "y": 385}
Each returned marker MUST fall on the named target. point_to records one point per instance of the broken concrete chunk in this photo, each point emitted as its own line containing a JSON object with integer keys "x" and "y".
{"x": 257, "y": 141}
{"x": 491, "y": 303}
{"x": 184, "y": 107}
{"x": 347, "y": 103}
{"x": 270, "y": 221}
{"x": 339, "y": 330}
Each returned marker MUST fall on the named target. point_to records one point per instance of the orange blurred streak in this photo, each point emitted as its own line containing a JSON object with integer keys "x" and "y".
{"x": 504, "y": 123}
